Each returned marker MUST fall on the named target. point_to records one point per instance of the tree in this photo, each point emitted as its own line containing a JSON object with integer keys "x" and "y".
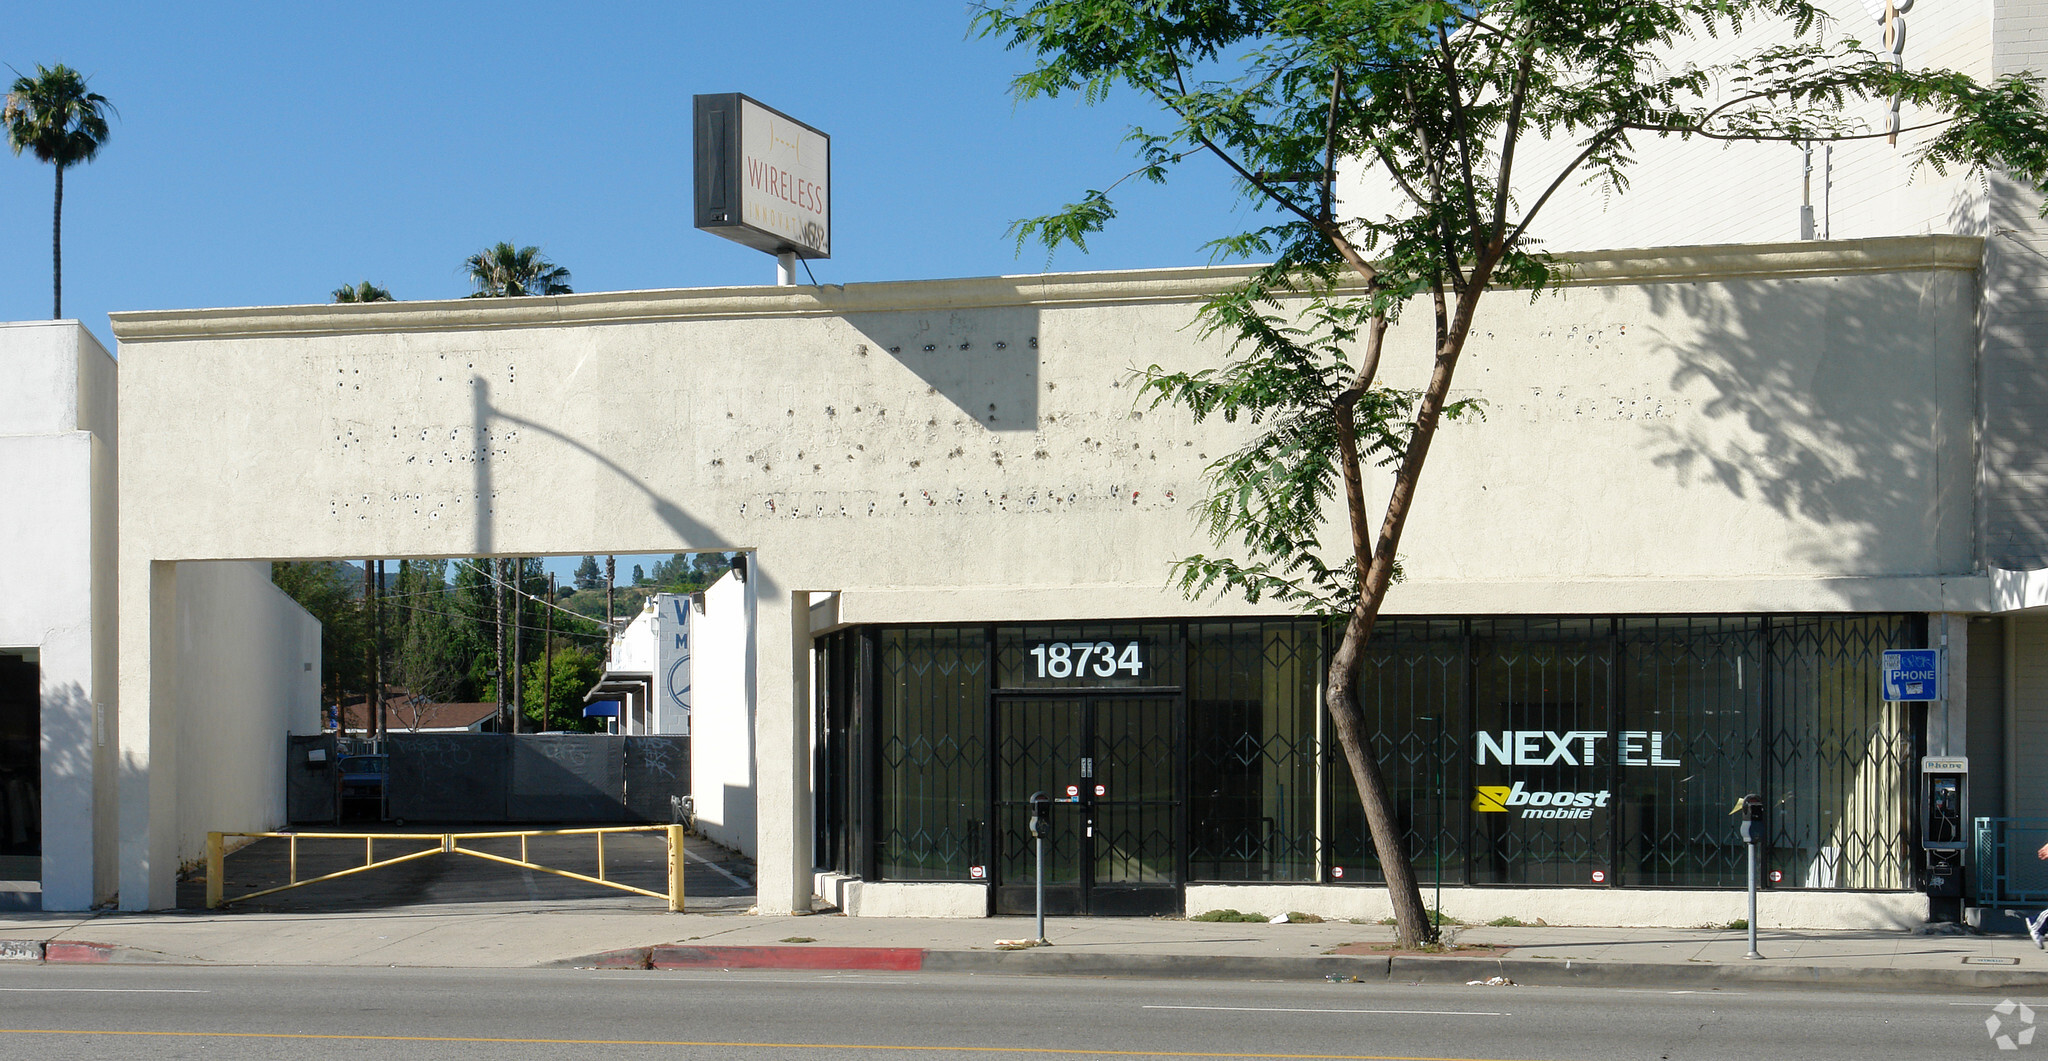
{"x": 434, "y": 645}
{"x": 363, "y": 292}
{"x": 331, "y": 592}
{"x": 56, "y": 119}
{"x": 553, "y": 690}
{"x": 505, "y": 271}
{"x": 588, "y": 575}
{"x": 1433, "y": 99}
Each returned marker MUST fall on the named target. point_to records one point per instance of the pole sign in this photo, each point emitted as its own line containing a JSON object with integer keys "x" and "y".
{"x": 1914, "y": 675}
{"x": 762, "y": 177}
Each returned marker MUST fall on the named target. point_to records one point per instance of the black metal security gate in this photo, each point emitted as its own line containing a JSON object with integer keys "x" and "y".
{"x": 1112, "y": 764}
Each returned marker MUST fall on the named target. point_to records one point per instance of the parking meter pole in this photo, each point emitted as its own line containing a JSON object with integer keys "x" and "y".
{"x": 1752, "y": 899}
{"x": 1041, "y": 891}
{"x": 1751, "y": 807}
{"x": 1041, "y": 824}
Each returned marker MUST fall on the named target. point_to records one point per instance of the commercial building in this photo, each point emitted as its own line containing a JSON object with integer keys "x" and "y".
{"x": 1717, "y": 476}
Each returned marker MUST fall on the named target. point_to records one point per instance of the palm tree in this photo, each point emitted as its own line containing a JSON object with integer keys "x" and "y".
{"x": 363, "y": 292}
{"x": 505, "y": 271}
{"x": 53, "y": 116}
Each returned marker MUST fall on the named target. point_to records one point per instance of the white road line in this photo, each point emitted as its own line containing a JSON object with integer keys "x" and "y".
{"x": 715, "y": 867}
{"x": 1388, "y": 1012}
{"x": 110, "y": 990}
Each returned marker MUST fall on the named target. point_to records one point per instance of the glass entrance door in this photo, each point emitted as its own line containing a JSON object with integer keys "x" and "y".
{"x": 1112, "y": 767}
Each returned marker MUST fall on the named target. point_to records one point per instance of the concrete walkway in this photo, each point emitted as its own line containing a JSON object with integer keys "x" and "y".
{"x": 628, "y": 933}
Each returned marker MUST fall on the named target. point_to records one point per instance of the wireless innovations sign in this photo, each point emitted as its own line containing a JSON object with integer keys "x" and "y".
{"x": 762, "y": 177}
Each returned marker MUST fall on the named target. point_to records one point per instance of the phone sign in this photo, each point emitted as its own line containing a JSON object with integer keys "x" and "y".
{"x": 1912, "y": 675}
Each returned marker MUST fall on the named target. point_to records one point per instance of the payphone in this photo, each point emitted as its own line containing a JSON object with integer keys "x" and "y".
{"x": 1944, "y": 818}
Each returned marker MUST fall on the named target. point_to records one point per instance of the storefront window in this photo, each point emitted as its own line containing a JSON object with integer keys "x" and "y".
{"x": 932, "y": 773}
{"x": 1840, "y": 757}
{"x": 1571, "y": 752}
{"x": 1252, "y": 750}
{"x": 1411, "y": 689}
{"x": 1692, "y": 731}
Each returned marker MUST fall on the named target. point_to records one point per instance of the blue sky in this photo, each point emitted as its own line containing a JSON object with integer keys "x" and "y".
{"x": 267, "y": 153}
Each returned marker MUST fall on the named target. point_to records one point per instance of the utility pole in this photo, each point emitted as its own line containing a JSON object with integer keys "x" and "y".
{"x": 370, "y": 697}
{"x": 547, "y": 681}
{"x": 518, "y": 656}
{"x": 611, "y": 578}
{"x": 377, "y": 647}
{"x": 498, "y": 635}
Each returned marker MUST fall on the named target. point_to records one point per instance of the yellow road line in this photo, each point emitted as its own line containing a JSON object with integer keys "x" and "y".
{"x": 730, "y": 1045}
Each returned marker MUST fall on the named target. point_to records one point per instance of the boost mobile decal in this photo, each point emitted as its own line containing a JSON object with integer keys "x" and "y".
{"x": 1544, "y": 748}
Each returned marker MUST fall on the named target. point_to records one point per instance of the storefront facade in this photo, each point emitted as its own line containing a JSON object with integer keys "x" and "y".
{"x": 1581, "y": 751}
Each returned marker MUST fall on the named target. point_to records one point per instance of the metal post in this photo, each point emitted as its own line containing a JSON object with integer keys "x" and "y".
{"x": 785, "y": 269}
{"x": 675, "y": 869}
{"x": 1041, "y": 890}
{"x": 1752, "y": 898}
{"x": 216, "y": 870}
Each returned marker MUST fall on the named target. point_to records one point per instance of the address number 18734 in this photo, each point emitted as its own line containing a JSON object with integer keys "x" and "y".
{"x": 1085, "y": 659}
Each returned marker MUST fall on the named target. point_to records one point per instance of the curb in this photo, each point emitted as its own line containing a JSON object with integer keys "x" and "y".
{"x": 1533, "y": 972}
{"x": 69, "y": 952}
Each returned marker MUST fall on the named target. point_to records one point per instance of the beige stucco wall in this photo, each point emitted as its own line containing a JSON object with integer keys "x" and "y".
{"x": 1712, "y": 429}
{"x": 249, "y": 668}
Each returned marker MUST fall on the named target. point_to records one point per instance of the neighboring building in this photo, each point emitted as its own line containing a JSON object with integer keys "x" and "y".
{"x": 250, "y": 655}
{"x": 408, "y": 713}
{"x": 682, "y": 666}
{"x": 57, "y": 756}
{"x": 647, "y": 668}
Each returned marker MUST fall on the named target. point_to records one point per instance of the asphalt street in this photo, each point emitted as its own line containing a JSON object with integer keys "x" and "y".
{"x": 156, "y": 1012}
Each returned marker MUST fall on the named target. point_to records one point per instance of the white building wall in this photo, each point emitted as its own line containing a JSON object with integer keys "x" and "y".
{"x": 249, "y": 664}
{"x": 722, "y": 761}
{"x": 1698, "y": 191}
{"x": 57, "y": 489}
{"x": 673, "y": 622}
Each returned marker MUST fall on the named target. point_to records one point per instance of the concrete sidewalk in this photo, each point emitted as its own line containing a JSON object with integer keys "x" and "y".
{"x": 630, "y": 933}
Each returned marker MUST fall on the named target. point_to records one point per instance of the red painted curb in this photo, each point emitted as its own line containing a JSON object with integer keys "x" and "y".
{"x": 892, "y": 959}
{"x": 72, "y": 951}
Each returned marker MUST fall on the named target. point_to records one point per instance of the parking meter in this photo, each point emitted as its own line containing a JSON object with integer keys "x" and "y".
{"x": 1041, "y": 815}
{"x": 1752, "y": 808}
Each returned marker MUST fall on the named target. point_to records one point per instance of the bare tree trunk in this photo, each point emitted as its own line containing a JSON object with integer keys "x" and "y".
{"x": 57, "y": 251}
{"x": 1411, "y": 918}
